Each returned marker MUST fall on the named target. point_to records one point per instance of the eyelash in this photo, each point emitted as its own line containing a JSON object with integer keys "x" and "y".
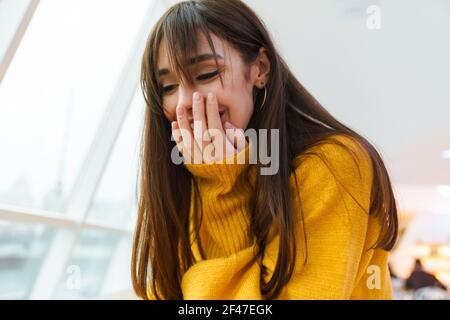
{"x": 201, "y": 77}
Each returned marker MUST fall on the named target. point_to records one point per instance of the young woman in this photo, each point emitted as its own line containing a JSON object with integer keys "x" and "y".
{"x": 320, "y": 227}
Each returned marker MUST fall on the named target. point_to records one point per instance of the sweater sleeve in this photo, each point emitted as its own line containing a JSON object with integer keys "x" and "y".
{"x": 334, "y": 187}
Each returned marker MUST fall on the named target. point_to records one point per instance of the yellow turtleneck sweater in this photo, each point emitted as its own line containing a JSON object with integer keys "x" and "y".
{"x": 339, "y": 232}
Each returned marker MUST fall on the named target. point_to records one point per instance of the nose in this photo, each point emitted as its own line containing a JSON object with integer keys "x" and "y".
{"x": 185, "y": 99}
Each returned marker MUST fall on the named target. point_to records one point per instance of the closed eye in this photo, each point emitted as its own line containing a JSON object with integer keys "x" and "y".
{"x": 168, "y": 88}
{"x": 207, "y": 76}
{"x": 202, "y": 77}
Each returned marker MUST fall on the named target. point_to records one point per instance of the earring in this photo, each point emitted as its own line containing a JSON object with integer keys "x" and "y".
{"x": 265, "y": 95}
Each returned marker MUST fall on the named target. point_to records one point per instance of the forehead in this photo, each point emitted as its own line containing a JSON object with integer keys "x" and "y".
{"x": 221, "y": 47}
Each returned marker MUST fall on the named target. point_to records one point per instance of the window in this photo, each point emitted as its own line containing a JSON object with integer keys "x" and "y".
{"x": 87, "y": 268}
{"x": 22, "y": 251}
{"x": 71, "y": 112}
{"x": 55, "y": 93}
{"x": 115, "y": 200}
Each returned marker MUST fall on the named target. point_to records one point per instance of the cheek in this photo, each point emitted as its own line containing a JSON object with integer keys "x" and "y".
{"x": 240, "y": 107}
{"x": 169, "y": 109}
{"x": 169, "y": 115}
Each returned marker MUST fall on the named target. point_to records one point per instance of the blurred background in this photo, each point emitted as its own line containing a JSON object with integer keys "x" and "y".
{"x": 71, "y": 112}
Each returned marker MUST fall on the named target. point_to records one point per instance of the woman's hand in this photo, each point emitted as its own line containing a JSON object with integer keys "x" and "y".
{"x": 209, "y": 141}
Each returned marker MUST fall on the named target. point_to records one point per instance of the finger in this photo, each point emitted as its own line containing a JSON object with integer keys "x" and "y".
{"x": 223, "y": 147}
{"x": 212, "y": 113}
{"x": 190, "y": 149}
{"x": 176, "y": 134}
{"x": 208, "y": 153}
{"x": 200, "y": 127}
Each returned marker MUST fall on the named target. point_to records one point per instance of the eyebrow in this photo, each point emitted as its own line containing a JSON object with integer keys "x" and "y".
{"x": 200, "y": 58}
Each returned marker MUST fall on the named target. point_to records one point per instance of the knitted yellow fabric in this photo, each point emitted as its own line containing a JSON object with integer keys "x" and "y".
{"x": 339, "y": 232}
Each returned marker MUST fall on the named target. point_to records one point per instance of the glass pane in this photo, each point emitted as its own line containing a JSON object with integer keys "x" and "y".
{"x": 55, "y": 92}
{"x": 116, "y": 197}
{"x": 88, "y": 266}
{"x": 22, "y": 250}
{"x": 118, "y": 281}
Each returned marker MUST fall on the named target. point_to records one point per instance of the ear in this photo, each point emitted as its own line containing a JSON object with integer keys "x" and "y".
{"x": 261, "y": 69}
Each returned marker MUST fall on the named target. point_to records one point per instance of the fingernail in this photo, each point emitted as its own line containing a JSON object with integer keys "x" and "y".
{"x": 180, "y": 111}
{"x": 229, "y": 124}
{"x": 196, "y": 96}
{"x": 173, "y": 124}
{"x": 210, "y": 97}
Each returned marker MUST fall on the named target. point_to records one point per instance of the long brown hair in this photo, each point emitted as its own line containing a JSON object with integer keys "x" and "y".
{"x": 161, "y": 242}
